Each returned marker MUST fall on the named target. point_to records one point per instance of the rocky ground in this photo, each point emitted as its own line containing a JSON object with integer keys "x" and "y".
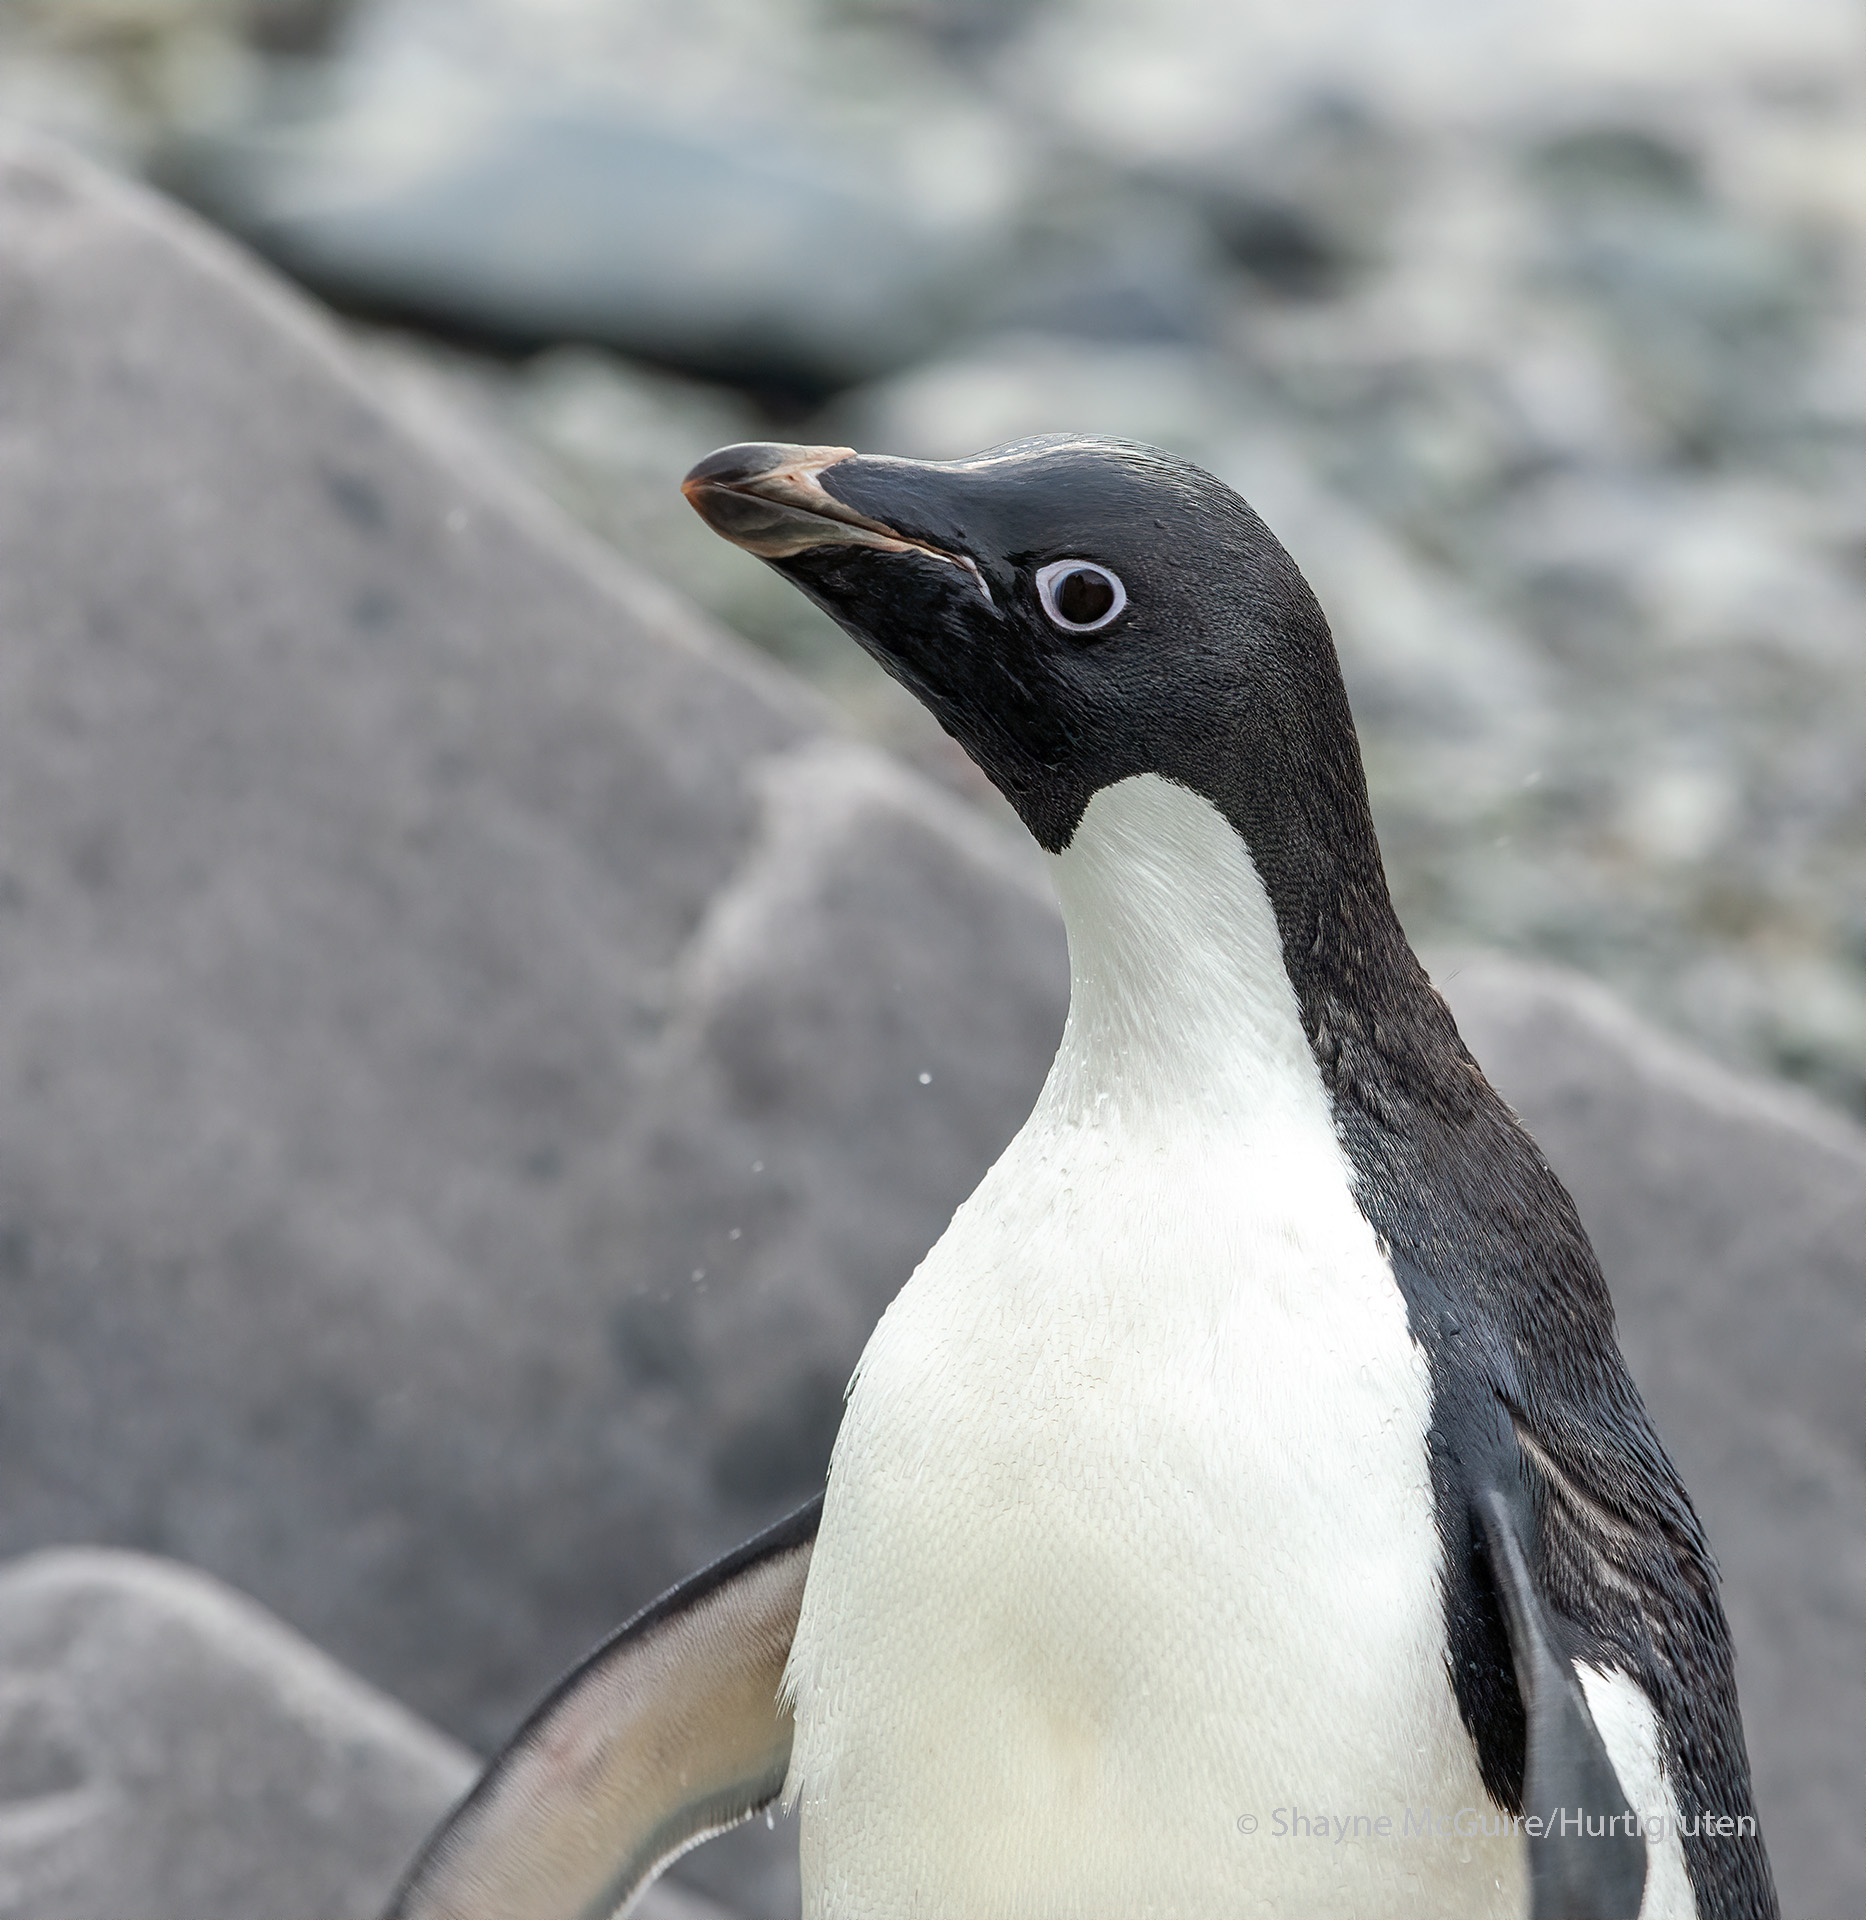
{"x": 1535, "y": 335}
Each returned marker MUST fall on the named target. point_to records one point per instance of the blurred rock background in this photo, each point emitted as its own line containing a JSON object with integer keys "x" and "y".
{"x": 478, "y": 1048}
{"x": 1533, "y": 330}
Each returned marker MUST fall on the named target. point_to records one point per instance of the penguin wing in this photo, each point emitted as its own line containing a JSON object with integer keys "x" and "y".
{"x": 1572, "y": 1875}
{"x": 671, "y": 1731}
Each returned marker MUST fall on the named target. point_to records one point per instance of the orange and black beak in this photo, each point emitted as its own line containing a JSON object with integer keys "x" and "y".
{"x": 770, "y": 499}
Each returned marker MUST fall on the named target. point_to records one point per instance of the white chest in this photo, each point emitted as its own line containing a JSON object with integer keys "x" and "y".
{"x": 1129, "y": 1532}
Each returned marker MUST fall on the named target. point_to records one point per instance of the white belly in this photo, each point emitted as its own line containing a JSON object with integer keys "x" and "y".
{"x": 1129, "y": 1536}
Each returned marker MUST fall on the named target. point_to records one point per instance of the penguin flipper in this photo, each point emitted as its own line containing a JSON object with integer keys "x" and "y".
{"x": 670, "y": 1732}
{"x": 1573, "y": 1875}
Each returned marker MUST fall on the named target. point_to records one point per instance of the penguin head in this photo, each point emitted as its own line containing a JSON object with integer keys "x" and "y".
{"x": 1075, "y": 611}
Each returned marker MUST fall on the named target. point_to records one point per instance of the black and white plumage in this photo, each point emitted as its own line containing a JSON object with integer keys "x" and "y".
{"x": 1256, "y": 1437}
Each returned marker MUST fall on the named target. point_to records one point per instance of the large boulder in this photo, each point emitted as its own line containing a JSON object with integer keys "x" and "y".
{"x": 1727, "y": 1214}
{"x": 169, "y": 1751}
{"x": 462, "y": 1021}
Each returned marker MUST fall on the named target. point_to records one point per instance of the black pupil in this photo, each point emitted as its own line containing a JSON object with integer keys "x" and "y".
{"x": 1083, "y": 597}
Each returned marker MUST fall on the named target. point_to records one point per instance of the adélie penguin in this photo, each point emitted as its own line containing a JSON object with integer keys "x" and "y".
{"x": 1244, "y": 1508}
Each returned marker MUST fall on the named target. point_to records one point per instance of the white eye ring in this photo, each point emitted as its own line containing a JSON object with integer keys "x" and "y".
{"x": 1051, "y": 578}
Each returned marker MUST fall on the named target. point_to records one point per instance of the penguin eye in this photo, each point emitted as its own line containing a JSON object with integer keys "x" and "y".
{"x": 1080, "y": 596}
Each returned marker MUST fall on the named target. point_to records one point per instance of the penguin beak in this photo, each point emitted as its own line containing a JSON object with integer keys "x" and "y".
{"x": 770, "y": 500}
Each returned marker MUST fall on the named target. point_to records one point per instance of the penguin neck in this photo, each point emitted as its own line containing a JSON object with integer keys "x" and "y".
{"x": 1180, "y": 1007}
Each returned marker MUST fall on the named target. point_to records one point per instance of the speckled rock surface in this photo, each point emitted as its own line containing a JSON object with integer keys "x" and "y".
{"x": 459, "y": 1058}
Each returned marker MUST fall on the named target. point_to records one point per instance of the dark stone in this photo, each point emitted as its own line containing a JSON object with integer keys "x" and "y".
{"x": 577, "y": 221}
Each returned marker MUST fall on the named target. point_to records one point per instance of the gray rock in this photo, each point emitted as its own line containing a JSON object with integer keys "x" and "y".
{"x": 757, "y": 192}
{"x": 1727, "y": 1214}
{"x": 579, "y": 224}
{"x": 170, "y": 1751}
{"x": 829, "y": 1043}
{"x": 384, "y": 1041}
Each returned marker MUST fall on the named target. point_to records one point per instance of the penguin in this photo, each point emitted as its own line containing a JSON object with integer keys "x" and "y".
{"x": 1244, "y": 1508}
